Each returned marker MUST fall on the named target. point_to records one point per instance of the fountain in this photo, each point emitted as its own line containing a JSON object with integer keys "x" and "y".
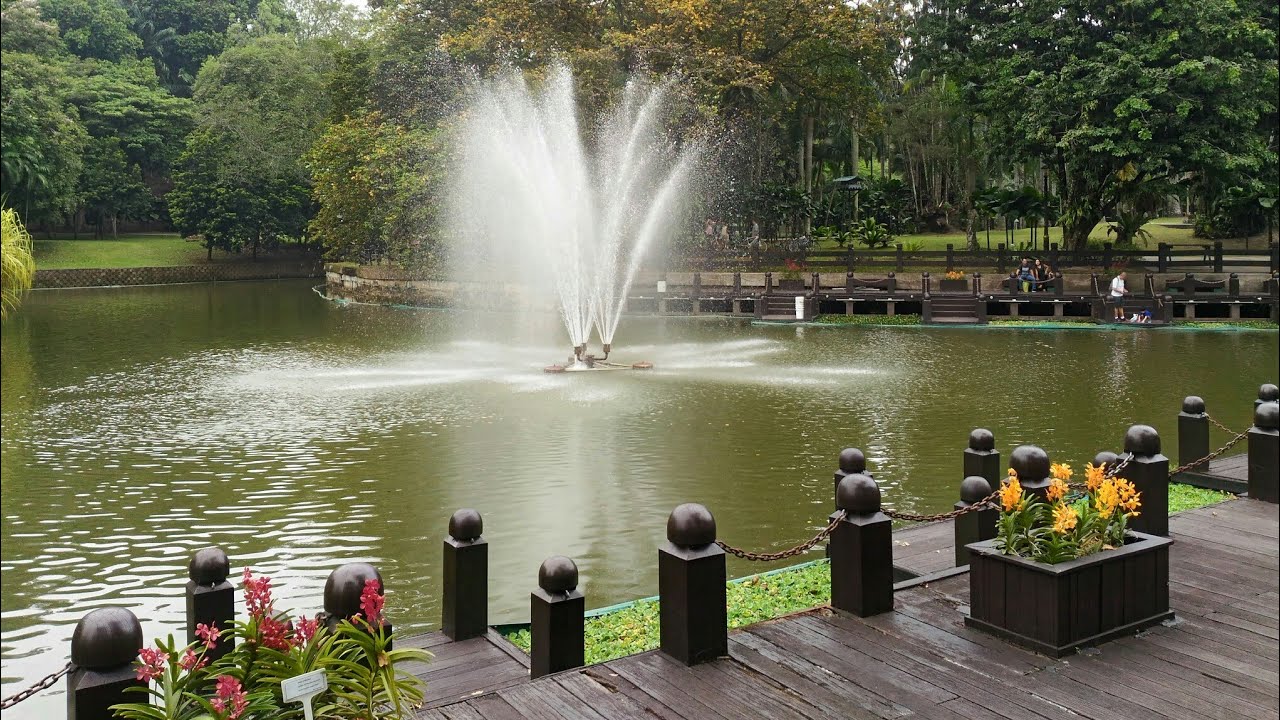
{"x": 572, "y": 223}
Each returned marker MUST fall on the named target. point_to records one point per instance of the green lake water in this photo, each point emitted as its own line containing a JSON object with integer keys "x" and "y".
{"x": 140, "y": 424}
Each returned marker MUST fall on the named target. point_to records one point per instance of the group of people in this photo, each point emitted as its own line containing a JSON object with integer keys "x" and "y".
{"x": 1033, "y": 274}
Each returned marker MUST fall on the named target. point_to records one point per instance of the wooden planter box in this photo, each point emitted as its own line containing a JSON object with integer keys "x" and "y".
{"x": 948, "y": 286}
{"x": 1054, "y": 609}
{"x": 790, "y": 285}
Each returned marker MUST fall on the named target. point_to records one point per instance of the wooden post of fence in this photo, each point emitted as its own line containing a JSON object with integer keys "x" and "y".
{"x": 1148, "y": 470}
{"x": 1000, "y": 258}
{"x": 1053, "y": 255}
{"x": 768, "y": 284}
{"x": 925, "y": 285}
{"x": 1267, "y": 393}
{"x": 1162, "y": 257}
{"x": 848, "y": 258}
{"x": 951, "y": 256}
{"x": 1106, "y": 257}
{"x": 977, "y": 284}
{"x": 1264, "y": 453}
{"x": 899, "y": 256}
{"x": 1032, "y": 465}
{"x": 981, "y": 457}
{"x": 975, "y": 526}
{"x": 557, "y": 636}
{"x": 1217, "y": 256}
{"x": 464, "y": 607}
{"x": 692, "y": 615}
{"x": 342, "y": 593}
{"x": 211, "y": 600}
{"x": 861, "y": 550}
{"x": 1275, "y": 257}
{"x": 103, "y": 647}
{"x": 696, "y": 296}
{"x": 1193, "y": 433}
{"x": 737, "y": 284}
{"x": 1233, "y": 288}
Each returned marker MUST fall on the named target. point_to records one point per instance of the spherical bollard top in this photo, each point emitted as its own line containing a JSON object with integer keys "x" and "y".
{"x": 974, "y": 488}
{"x": 691, "y": 525}
{"x": 1105, "y": 458}
{"x": 558, "y": 574}
{"x": 1193, "y": 405}
{"x": 209, "y": 566}
{"x": 1142, "y": 440}
{"x": 858, "y": 494}
{"x": 1269, "y": 393}
{"x": 852, "y": 461}
{"x": 1267, "y": 416}
{"x": 466, "y": 524}
{"x": 1030, "y": 462}
{"x": 982, "y": 440}
{"x": 106, "y": 638}
{"x": 345, "y": 585}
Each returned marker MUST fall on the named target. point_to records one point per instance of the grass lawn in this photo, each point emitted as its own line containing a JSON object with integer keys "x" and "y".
{"x": 156, "y": 250}
{"x": 634, "y": 629}
{"x": 144, "y": 250}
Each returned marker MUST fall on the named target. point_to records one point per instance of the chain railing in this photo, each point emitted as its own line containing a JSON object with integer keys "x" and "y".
{"x": 1211, "y": 456}
{"x": 1220, "y": 426}
{"x": 825, "y": 533}
{"x": 44, "y": 684}
{"x": 803, "y": 547}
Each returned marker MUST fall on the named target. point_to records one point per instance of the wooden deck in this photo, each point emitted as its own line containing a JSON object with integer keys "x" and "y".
{"x": 1218, "y": 659}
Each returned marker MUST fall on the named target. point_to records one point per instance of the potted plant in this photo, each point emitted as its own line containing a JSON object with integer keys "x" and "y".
{"x": 792, "y": 279}
{"x": 367, "y": 679}
{"x": 1063, "y": 570}
{"x": 953, "y": 281}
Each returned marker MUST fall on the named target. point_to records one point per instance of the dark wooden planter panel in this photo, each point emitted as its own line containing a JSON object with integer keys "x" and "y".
{"x": 790, "y": 285}
{"x": 1054, "y": 609}
{"x": 947, "y": 286}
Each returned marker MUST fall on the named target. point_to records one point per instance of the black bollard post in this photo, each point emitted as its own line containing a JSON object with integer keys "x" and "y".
{"x": 852, "y": 461}
{"x": 1032, "y": 465}
{"x": 981, "y": 457}
{"x": 861, "y": 550}
{"x": 1148, "y": 470}
{"x": 211, "y": 600}
{"x": 1267, "y": 393}
{"x": 975, "y": 526}
{"x": 1105, "y": 459}
{"x": 464, "y": 611}
{"x": 342, "y": 593}
{"x": 1264, "y": 453}
{"x": 1193, "y": 433}
{"x": 557, "y": 634}
{"x": 692, "y": 615}
{"x": 103, "y": 647}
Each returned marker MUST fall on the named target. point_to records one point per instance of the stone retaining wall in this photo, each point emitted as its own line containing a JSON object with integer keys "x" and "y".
{"x": 106, "y": 277}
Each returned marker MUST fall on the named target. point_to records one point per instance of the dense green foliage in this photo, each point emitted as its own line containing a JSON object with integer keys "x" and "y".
{"x": 17, "y": 269}
{"x": 251, "y": 122}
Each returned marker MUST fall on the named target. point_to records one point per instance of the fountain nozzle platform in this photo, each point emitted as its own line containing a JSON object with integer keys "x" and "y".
{"x": 581, "y": 361}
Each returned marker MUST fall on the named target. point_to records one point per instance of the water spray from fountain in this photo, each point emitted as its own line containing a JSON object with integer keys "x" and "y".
{"x": 577, "y": 223}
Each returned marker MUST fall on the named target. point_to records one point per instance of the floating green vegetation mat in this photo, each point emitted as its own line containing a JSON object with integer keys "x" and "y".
{"x": 905, "y": 319}
{"x": 634, "y": 627}
{"x": 1229, "y": 325}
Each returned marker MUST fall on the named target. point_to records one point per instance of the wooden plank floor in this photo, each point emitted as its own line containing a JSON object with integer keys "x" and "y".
{"x": 1229, "y": 473}
{"x": 1218, "y": 659}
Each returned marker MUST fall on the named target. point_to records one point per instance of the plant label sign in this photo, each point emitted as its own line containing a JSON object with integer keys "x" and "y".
{"x": 799, "y": 307}
{"x": 662, "y": 286}
{"x": 301, "y": 688}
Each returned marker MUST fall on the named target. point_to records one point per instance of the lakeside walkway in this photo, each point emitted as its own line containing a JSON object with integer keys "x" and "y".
{"x": 1218, "y": 659}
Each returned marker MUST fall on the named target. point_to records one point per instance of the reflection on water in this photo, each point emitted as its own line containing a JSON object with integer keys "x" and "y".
{"x": 141, "y": 424}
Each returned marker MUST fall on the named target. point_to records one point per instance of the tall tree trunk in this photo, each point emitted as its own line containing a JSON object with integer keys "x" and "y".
{"x": 115, "y": 235}
{"x": 855, "y": 157}
{"x": 808, "y": 165}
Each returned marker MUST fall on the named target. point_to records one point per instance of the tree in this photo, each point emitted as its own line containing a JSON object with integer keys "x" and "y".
{"x": 41, "y": 138}
{"x": 1112, "y": 94}
{"x": 17, "y": 268}
{"x": 93, "y": 28}
{"x": 241, "y": 181}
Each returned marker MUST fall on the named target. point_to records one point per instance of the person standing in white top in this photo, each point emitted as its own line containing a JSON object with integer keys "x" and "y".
{"x": 1118, "y": 291}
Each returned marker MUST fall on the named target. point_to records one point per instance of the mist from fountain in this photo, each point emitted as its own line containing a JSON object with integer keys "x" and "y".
{"x": 531, "y": 202}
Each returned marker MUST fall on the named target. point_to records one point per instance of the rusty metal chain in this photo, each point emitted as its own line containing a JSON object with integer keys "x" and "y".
{"x": 1211, "y": 456}
{"x": 791, "y": 552}
{"x": 937, "y": 517}
{"x": 1219, "y": 425}
{"x": 45, "y": 683}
